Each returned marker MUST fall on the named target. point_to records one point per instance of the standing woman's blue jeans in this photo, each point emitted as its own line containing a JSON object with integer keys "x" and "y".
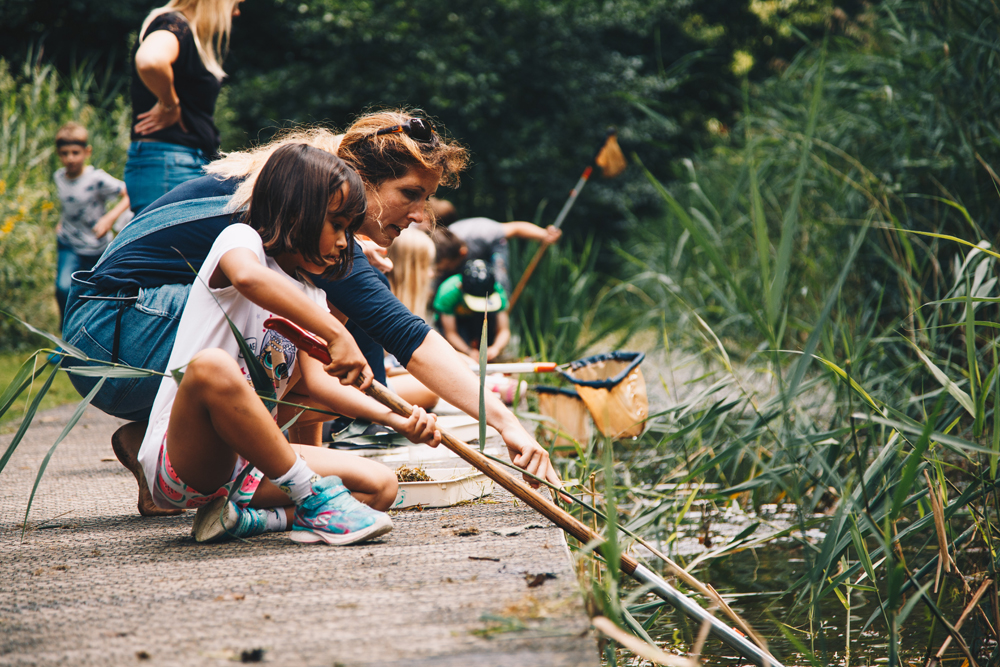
{"x": 154, "y": 168}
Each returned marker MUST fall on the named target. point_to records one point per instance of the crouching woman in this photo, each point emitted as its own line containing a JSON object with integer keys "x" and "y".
{"x": 211, "y": 432}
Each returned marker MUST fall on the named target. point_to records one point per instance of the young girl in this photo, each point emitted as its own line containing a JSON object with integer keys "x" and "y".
{"x": 211, "y": 427}
{"x": 412, "y": 256}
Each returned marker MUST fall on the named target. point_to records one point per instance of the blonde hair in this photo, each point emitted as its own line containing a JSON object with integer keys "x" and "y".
{"x": 412, "y": 256}
{"x": 72, "y": 131}
{"x": 210, "y": 21}
{"x": 247, "y": 164}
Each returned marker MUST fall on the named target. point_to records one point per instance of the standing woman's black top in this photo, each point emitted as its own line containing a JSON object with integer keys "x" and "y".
{"x": 197, "y": 88}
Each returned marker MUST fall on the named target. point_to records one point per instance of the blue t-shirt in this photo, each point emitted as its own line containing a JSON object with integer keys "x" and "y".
{"x": 363, "y": 295}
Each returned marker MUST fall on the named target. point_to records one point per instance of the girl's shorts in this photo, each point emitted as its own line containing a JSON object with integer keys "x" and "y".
{"x": 170, "y": 491}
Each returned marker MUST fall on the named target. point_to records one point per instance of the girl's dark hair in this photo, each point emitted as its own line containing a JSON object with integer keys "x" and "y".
{"x": 291, "y": 199}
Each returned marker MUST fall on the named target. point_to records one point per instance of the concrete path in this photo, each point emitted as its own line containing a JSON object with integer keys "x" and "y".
{"x": 93, "y": 583}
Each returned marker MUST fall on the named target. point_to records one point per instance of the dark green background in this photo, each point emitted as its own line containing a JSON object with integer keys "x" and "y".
{"x": 529, "y": 86}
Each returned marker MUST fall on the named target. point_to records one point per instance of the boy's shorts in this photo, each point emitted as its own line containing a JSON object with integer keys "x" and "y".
{"x": 169, "y": 491}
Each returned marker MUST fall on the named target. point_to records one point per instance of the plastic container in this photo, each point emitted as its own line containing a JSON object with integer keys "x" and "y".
{"x": 450, "y": 485}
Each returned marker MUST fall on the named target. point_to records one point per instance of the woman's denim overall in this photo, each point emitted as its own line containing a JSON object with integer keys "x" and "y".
{"x": 136, "y": 330}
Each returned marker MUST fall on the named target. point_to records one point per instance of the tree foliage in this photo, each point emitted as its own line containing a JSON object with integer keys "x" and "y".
{"x": 530, "y": 86}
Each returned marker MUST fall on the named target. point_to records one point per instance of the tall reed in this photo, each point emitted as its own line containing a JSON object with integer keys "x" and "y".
{"x": 34, "y": 103}
{"x": 829, "y": 263}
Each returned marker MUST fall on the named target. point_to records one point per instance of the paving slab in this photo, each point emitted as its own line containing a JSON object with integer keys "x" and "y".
{"x": 93, "y": 583}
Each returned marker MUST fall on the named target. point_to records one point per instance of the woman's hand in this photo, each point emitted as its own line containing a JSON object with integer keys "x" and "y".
{"x": 420, "y": 428}
{"x": 154, "y": 61}
{"x": 528, "y": 455}
{"x": 160, "y": 117}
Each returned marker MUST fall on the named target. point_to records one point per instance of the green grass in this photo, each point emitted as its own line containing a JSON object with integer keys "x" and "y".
{"x": 61, "y": 392}
{"x": 851, "y": 367}
{"x": 34, "y": 102}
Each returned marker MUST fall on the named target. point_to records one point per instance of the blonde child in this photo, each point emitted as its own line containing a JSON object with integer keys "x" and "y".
{"x": 212, "y": 430}
{"x": 82, "y": 232}
{"x": 412, "y": 257}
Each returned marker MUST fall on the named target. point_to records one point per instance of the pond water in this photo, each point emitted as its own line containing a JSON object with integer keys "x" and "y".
{"x": 755, "y": 583}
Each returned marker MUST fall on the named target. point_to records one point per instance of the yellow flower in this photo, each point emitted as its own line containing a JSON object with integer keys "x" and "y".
{"x": 3, "y": 186}
{"x": 8, "y": 225}
{"x": 764, "y": 9}
{"x": 742, "y": 62}
{"x": 47, "y": 205}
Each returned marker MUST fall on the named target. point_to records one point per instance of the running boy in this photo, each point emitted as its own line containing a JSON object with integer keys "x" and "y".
{"x": 211, "y": 431}
{"x": 82, "y": 232}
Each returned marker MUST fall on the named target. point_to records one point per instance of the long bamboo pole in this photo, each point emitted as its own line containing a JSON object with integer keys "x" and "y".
{"x": 557, "y": 515}
{"x": 585, "y": 535}
{"x": 574, "y": 193}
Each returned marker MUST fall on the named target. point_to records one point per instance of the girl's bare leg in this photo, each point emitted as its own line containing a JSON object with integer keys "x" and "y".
{"x": 217, "y": 416}
{"x": 413, "y": 391}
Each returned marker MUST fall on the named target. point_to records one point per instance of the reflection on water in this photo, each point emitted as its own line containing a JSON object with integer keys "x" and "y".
{"x": 754, "y": 583}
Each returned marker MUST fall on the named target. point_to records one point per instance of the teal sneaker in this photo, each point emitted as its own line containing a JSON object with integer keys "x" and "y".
{"x": 222, "y": 519}
{"x": 332, "y": 516}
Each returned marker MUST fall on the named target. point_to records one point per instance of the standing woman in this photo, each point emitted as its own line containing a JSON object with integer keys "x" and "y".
{"x": 175, "y": 84}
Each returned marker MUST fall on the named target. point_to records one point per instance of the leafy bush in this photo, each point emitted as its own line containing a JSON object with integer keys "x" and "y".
{"x": 788, "y": 243}
{"x": 34, "y": 103}
{"x": 902, "y": 108}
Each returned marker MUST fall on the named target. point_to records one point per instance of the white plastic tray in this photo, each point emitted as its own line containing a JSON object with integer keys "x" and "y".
{"x": 450, "y": 485}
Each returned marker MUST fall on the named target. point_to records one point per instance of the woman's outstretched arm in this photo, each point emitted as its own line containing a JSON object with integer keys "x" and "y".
{"x": 441, "y": 369}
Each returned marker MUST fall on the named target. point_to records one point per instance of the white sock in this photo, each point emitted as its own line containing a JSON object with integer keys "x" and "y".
{"x": 276, "y": 520}
{"x": 297, "y": 482}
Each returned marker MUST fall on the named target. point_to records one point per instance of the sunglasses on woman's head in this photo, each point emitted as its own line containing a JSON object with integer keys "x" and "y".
{"x": 419, "y": 130}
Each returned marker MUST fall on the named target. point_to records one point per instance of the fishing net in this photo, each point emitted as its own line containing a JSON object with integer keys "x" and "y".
{"x": 570, "y": 421}
{"x": 614, "y": 391}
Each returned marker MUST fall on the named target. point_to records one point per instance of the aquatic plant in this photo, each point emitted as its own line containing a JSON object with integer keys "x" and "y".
{"x": 824, "y": 274}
